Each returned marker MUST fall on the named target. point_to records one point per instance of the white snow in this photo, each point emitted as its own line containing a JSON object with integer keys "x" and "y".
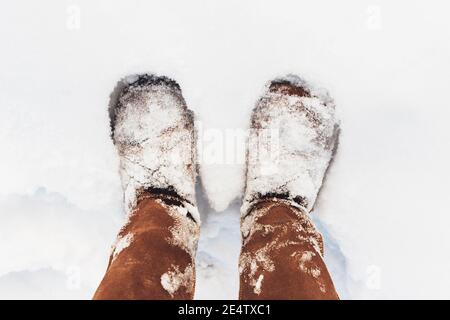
{"x": 121, "y": 244}
{"x": 172, "y": 280}
{"x": 258, "y": 284}
{"x": 383, "y": 206}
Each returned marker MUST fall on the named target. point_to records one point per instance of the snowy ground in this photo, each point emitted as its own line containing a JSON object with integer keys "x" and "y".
{"x": 383, "y": 209}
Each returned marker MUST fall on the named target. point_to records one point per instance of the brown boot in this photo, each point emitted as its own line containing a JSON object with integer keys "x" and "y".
{"x": 154, "y": 255}
{"x": 293, "y": 136}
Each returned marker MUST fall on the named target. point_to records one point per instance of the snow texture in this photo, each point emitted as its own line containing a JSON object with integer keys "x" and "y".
{"x": 174, "y": 279}
{"x": 121, "y": 243}
{"x": 383, "y": 210}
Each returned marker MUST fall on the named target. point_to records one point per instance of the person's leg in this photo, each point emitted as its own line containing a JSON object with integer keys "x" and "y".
{"x": 281, "y": 256}
{"x": 293, "y": 137}
{"x": 153, "y": 131}
{"x": 150, "y": 259}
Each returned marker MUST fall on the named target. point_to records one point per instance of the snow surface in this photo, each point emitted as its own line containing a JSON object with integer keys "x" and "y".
{"x": 383, "y": 209}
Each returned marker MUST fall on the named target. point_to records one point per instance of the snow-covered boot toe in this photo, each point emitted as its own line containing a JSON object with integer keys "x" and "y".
{"x": 293, "y": 136}
{"x": 154, "y": 134}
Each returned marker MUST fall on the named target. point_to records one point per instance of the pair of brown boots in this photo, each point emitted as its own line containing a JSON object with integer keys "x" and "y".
{"x": 291, "y": 143}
